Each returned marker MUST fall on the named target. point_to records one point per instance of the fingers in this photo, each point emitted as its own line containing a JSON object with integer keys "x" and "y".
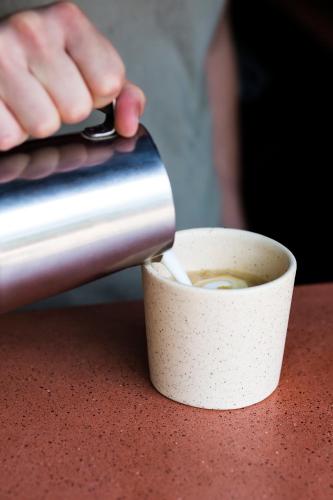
{"x": 11, "y": 133}
{"x": 45, "y": 58}
{"x": 97, "y": 60}
{"x": 29, "y": 102}
{"x": 129, "y": 107}
{"x": 55, "y": 67}
{"x": 65, "y": 85}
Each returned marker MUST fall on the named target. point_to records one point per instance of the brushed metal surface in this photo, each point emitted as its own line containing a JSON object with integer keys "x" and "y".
{"x": 94, "y": 209}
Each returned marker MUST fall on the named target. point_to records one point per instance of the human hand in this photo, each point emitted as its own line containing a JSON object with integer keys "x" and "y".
{"x": 55, "y": 67}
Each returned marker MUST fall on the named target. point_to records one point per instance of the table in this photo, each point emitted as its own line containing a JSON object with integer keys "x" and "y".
{"x": 80, "y": 419}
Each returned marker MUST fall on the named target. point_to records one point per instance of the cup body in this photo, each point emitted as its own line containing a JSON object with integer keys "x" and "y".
{"x": 220, "y": 349}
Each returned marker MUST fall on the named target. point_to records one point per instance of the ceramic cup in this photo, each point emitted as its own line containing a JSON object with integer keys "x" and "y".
{"x": 219, "y": 349}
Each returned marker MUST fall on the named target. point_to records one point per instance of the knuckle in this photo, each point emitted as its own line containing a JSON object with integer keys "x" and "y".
{"x": 29, "y": 27}
{"x": 69, "y": 12}
{"x": 112, "y": 80}
{"x": 44, "y": 128}
{"x": 12, "y": 56}
{"x": 110, "y": 84}
{"x": 26, "y": 22}
{"x": 77, "y": 112}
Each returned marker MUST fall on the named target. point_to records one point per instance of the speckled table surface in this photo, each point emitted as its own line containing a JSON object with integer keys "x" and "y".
{"x": 80, "y": 420}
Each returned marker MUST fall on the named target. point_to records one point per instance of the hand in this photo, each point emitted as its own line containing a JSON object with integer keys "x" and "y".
{"x": 56, "y": 67}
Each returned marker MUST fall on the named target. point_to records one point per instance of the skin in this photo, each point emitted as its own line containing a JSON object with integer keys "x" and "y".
{"x": 222, "y": 86}
{"x": 55, "y": 67}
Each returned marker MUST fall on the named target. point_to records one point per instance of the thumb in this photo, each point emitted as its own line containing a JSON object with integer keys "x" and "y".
{"x": 130, "y": 106}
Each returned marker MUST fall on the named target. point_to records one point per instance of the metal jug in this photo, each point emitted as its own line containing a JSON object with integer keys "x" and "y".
{"x": 77, "y": 207}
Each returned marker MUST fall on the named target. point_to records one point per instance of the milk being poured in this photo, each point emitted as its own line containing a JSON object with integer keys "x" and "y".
{"x": 209, "y": 279}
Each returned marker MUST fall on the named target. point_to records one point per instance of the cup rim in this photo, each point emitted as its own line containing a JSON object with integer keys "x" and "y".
{"x": 148, "y": 266}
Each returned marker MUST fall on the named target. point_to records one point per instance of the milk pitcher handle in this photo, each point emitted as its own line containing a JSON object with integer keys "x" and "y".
{"x": 105, "y": 130}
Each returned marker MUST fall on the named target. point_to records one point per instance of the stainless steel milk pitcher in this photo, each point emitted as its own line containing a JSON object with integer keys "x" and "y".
{"x": 78, "y": 207}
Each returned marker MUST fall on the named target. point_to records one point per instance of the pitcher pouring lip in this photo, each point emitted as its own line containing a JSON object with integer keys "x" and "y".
{"x": 97, "y": 207}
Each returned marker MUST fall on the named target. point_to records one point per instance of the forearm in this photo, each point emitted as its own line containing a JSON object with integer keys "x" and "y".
{"x": 222, "y": 82}
{"x": 222, "y": 86}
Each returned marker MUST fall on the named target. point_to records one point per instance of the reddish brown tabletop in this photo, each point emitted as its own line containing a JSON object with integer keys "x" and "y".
{"x": 80, "y": 420}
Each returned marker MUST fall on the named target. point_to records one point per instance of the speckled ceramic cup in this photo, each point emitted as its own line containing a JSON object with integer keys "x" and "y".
{"x": 219, "y": 349}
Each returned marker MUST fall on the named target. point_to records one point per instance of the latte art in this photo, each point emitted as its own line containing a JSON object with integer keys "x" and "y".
{"x": 223, "y": 280}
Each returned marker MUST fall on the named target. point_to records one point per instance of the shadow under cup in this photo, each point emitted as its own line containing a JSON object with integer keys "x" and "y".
{"x": 220, "y": 349}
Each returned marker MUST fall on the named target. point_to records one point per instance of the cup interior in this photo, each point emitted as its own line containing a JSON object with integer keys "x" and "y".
{"x": 232, "y": 250}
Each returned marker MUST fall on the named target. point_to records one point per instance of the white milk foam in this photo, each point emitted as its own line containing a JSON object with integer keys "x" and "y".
{"x": 224, "y": 281}
{"x": 171, "y": 262}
